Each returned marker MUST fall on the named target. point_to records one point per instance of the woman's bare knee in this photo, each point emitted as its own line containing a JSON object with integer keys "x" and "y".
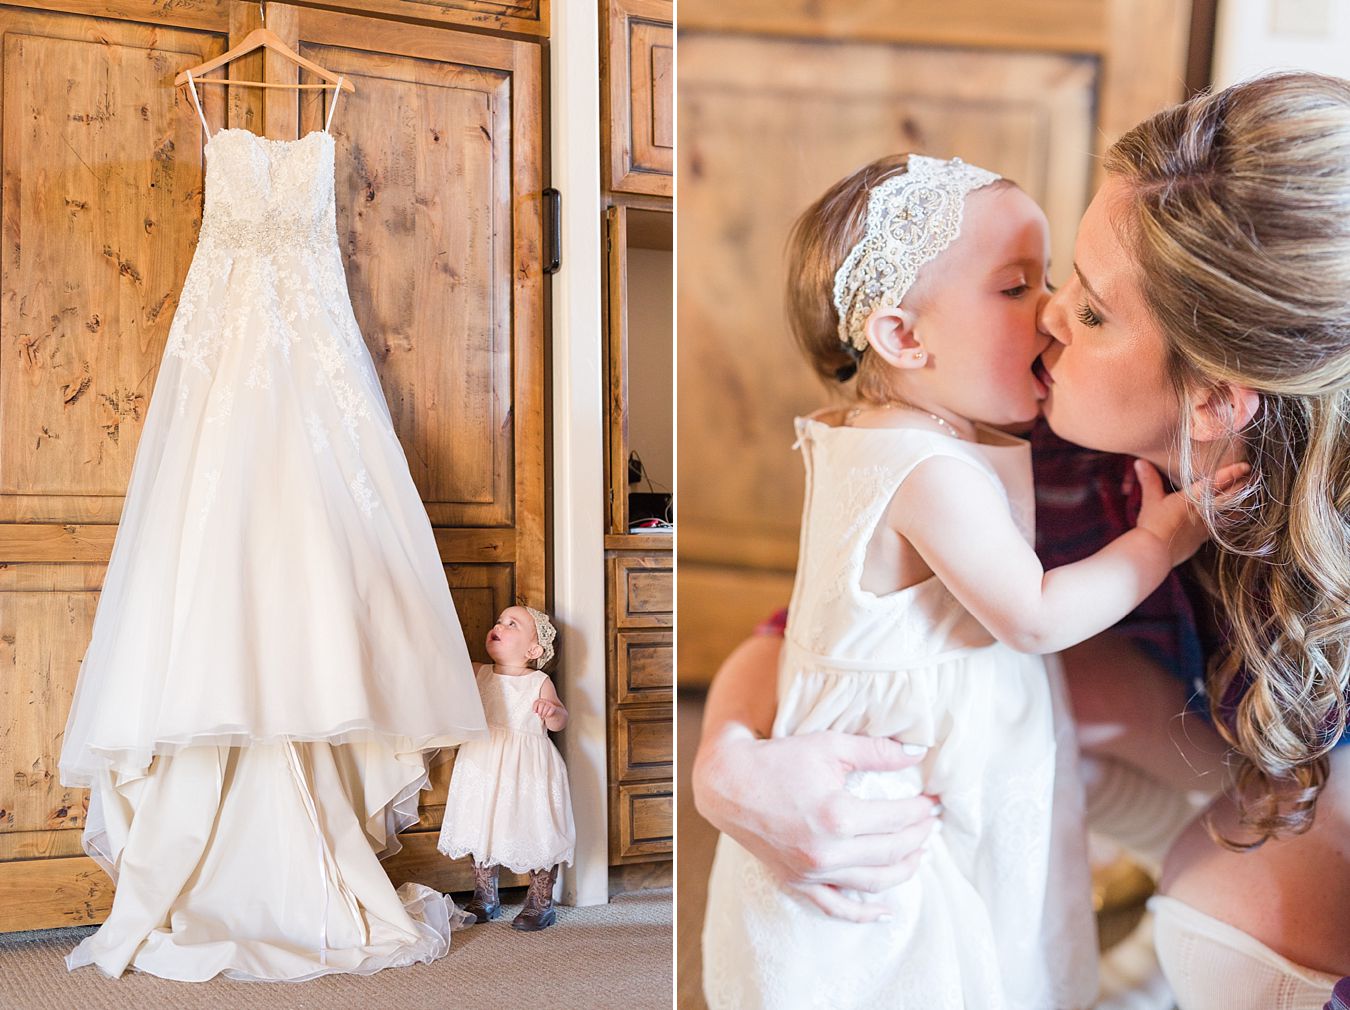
{"x": 1128, "y": 707}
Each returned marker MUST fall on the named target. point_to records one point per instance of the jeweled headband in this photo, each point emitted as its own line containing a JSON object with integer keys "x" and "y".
{"x": 546, "y": 633}
{"x": 911, "y": 218}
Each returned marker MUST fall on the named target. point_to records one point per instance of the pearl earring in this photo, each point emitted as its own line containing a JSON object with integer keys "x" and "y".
{"x": 917, "y": 355}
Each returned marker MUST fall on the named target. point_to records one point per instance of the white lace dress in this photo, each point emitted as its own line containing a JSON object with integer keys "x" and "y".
{"x": 999, "y": 913}
{"x": 275, "y": 656}
{"x": 509, "y": 803}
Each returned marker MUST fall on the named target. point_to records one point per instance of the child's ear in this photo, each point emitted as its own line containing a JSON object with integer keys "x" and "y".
{"x": 890, "y": 335}
{"x": 534, "y": 652}
{"x": 1223, "y": 410}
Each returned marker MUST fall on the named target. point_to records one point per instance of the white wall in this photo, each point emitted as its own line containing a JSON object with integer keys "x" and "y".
{"x": 1254, "y": 36}
{"x": 651, "y": 385}
{"x": 578, "y": 441}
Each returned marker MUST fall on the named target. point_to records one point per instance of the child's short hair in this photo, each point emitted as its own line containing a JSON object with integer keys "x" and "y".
{"x": 820, "y": 241}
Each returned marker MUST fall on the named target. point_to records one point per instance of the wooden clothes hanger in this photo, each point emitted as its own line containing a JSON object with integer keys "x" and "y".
{"x": 262, "y": 38}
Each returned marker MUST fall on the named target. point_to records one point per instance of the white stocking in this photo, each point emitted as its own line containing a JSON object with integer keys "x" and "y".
{"x": 1214, "y": 966}
{"x": 1134, "y": 809}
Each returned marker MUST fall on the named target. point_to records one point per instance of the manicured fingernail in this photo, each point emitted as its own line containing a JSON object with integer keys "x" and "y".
{"x": 914, "y": 749}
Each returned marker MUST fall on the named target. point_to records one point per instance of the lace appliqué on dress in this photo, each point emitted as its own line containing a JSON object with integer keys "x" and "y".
{"x": 360, "y": 488}
{"x": 210, "y": 484}
{"x": 270, "y": 240}
{"x": 224, "y": 406}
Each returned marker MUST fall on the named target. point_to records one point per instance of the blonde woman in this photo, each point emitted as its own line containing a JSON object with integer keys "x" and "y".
{"x": 1206, "y": 320}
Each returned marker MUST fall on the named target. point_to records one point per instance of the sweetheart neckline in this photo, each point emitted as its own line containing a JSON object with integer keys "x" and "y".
{"x": 266, "y": 140}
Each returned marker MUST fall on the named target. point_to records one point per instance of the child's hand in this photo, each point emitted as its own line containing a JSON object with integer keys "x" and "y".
{"x": 546, "y": 709}
{"x": 1172, "y": 518}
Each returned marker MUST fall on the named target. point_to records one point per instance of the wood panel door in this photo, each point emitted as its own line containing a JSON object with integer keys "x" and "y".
{"x": 776, "y": 102}
{"x": 439, "y": 172}
{"x": 638, "y": 97}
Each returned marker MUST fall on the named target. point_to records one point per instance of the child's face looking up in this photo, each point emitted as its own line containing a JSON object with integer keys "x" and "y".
{"x": 514, "y": 640}
{"x": 975, "y": 309}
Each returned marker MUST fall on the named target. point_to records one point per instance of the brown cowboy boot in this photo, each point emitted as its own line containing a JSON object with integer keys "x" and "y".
{"x": 484, "y": 905}
{"x": 538, "y": 912}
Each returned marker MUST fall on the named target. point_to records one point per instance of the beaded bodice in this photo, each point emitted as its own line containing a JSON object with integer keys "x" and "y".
{"x": 267, "y": 275}
{"x": 267, "y": 196}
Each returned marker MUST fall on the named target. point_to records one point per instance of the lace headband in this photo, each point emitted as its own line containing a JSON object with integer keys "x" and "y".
{"x": 546, "y": 633}
{"x": 911, "y": 218}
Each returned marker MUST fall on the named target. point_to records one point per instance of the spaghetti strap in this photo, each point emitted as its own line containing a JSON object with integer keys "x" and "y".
{"x": 195, "y": 101}
{"x": 333, "y": 105}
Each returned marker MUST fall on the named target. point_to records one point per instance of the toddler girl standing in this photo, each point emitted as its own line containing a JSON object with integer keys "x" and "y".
{"x": 509, "y": 803}
{"x": 920, "y": 609}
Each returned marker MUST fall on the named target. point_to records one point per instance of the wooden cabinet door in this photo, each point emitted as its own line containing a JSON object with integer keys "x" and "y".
{"x": 528, "y": 17}
{"x": 643, "y": 825}
{"x": 102, "y": 186}
{"x": 616, "y": 353}
{"x": 776, "y": 102}
{"x": 439, "y": 165}
{"x": 639, "y": 100}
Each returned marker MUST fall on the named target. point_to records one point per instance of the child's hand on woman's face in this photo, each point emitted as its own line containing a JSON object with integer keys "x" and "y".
{"x": 1173, "y": 518}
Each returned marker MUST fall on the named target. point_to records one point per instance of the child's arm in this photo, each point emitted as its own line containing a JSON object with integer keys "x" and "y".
{"x": 549, "y": 707}
{"x": 959, "y": 523}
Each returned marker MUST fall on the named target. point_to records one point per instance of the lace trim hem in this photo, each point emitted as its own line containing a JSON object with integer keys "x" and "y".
{"x": 516, "y": 864}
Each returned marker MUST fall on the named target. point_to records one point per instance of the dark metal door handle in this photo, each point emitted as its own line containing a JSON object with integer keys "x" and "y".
{"x": 554, "y": 200}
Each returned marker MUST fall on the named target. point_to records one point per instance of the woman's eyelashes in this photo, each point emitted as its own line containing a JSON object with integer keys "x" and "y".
{"x": 1086, "y": 316}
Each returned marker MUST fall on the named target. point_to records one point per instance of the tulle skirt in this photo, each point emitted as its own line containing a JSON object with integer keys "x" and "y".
{"x": 254, "y": 863}
{"x": 275, "y": 656}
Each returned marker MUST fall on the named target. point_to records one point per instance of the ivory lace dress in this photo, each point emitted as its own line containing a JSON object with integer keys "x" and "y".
{"x": 275, "y": 654}
{"x": 509, "y": 803}
{"x": 999, "y": 915}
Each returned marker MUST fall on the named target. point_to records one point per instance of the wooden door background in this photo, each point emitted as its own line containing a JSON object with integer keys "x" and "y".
{"x": 778, "y": 100}
{"x": 439, "y": 172}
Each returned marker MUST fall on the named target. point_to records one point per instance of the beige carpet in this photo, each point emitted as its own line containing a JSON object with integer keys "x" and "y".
{"x": 615, "y": 955}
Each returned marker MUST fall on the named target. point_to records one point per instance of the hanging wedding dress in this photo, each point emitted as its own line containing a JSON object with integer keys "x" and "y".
{"x": 275, "y": 655}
